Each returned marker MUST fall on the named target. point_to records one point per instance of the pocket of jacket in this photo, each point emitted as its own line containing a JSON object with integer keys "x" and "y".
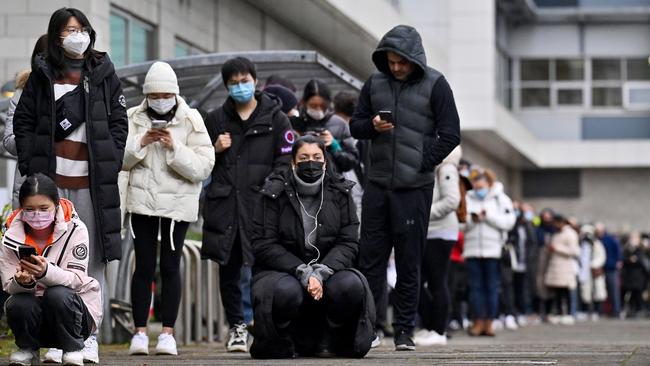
{"x": 218, "y": 191}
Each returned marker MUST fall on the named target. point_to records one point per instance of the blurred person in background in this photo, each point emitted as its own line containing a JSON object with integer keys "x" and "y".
{"x": 286, "y": 96}
{"x": 613, "y": 266}
{"x": 316, "y": 116}
{"x": 542, "y": 303}
{"x": 560, "y": 275}
{"x": 442, "y": 236}
{"x": 592, "y": 276}
{"x": 634, "y": 276}
{"x": 490, "y": 216}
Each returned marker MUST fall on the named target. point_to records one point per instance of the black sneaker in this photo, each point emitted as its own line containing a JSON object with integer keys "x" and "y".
{"x": 404, "y": 342}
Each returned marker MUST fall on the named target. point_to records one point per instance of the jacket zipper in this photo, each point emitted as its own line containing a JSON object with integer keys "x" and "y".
{"x": 91, "y": 157}
{"x": 393, "y": 138}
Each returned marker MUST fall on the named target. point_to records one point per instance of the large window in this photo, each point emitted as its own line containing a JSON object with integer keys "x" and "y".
{"x": 598, "y": 83}
{"x": 183, "y": 48}
{"x": 551, "y": 183}
{"x": 132, "y": 40}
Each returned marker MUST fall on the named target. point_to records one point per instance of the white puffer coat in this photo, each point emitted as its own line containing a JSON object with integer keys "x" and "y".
{"x": 162, "y": 182}
{"x": 485, "y": 239}
{"x": 443, "y": 222}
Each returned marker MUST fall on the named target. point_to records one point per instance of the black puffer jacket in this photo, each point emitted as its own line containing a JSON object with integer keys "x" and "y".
{"x": 346, "y": 157}
{"x": 279, "y": 247}
{"x": 259, "y": 147}
{"x": 107, "y": 129}
{"x": 426, "y": 121}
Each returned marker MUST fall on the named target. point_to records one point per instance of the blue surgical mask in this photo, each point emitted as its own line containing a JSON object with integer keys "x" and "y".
{"x": 242, "y": 92}
{"x": 529, "y": 215}
{"x": 482, "y": 193}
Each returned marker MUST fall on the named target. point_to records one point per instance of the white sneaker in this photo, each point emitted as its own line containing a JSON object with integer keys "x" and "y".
{"x": 23, "y": 357}
{"x": 166, "y": 345}
{"x": 376, "y": 342}
{"x": 497, "y": 325}
{"x": 53, "y": 355}
{"x": 511, "y": 323}
{"x": 431, "y": 338}
{"x": 554, "y": 319}
{"x": 91, "y": 350}
{"x": 238, "y": 340}
{"x": 567, "y": 320}
{"x": 595, "y": 317}
{"x": 522, "y": 320}
{"x": 420, "y": 333}
{"x": 139, "y": 344}
{"x": 75, "y": 358}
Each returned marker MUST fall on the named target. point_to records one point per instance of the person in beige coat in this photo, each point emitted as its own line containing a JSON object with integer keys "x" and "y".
{"x": 168, "y": 155}
{"x": 54, "y": 302}
{"x": 560, "y": 276}
{"x": 593, "y": 290}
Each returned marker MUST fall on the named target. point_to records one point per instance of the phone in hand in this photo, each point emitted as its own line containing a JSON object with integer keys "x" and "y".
{"x": 158, "y": 124}
{"x": 386, "y": 116}
{"x": 26, "y": 252}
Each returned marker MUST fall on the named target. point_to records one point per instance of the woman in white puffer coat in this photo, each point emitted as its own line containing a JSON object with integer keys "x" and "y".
{"x": 168, "y": 154}
{"x": 441, "y": 238}
{"x": 490, "y": 216}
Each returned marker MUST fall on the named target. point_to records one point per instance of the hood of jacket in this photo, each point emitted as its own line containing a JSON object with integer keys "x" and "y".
{"x": 15, "y": 226}
{"x": 405, "y": 41}
{"x": 21, "y": 78}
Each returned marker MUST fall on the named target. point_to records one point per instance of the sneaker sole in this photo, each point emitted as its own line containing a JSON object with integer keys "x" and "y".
{"x": 403, "y": 347}
{"x": 237, "y": 349}
{"x": 166, "y": 353}
{"x": 52, "y": 361}
{"x": 139, "y": 353}
{"x": 91, "y": 360}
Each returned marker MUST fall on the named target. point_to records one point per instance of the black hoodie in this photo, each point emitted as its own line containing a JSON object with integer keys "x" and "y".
{"x": 406, "y": 157}
{"x": 104, "y": 108}
{"x": 260, "y": 146}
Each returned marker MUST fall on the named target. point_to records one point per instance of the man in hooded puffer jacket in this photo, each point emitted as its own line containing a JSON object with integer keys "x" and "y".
{"x": 423, "y": 129}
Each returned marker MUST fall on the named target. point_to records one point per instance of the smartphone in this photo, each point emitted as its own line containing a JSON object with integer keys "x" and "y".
{"x": 386, "y": 116}
{"x": 319, "y": 130}
{"x": 158, "y": 124}
{"x": 25, "y": 252}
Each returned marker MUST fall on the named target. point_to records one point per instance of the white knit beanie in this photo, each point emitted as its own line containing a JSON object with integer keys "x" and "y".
{"x": 160, "y": 78}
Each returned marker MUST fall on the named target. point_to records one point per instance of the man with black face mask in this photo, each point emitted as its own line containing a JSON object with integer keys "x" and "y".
{"x": 418, "y": 128}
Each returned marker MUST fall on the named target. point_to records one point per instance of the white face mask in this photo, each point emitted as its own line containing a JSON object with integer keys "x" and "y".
{"x": 76, "y": 43}
{"x": 315, "y": 114}
{"x": 162, "y": 106}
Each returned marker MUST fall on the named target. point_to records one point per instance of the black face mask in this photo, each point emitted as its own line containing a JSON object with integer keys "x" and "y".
{"x": 309, "y": 171}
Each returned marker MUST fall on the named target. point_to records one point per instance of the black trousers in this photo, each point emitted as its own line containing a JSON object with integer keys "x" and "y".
{"x": 145, "y": 245}
{"x": 562, "y": 299}
{"x": 395, "y": 219}
{"x": 58, "y": 319}
{"x": 229, "y": 283}
{"x": 459, "y": 291}
{"x": 434, "y": 293}
{"x": 298, "y": 316}
{"x": 522, "y": 295}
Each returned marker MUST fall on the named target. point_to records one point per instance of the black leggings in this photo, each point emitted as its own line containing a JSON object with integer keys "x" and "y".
{"x": 561, "y": 295}
{"x": 434, "y": 293}
{"x": 342, "y": 295}
{"x": 145, "y": 229}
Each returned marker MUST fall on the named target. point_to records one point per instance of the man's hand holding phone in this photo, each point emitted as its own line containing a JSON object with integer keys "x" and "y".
{"x": 383, "y": 121}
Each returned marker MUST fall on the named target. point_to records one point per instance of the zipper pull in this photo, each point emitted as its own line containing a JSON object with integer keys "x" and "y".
{"x": 86, "y": 88}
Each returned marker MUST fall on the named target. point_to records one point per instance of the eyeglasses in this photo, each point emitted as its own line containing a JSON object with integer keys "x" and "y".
{"x": 70, "y": 30}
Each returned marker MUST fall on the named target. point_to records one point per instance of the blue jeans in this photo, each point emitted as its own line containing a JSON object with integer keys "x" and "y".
{"x": 245, "y": 285}
{"x": 484, "y": 282}
{"x": 613, "y": 291}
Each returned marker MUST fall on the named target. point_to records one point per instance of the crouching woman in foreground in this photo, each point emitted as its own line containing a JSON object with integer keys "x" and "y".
{"x": 307, "y": 299}
{"x": 53, "y": 303}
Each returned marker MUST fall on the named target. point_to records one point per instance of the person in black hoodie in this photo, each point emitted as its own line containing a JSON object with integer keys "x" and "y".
{"x": 317, "y": 116}
{"x": 418, "y": 128}
{"x": 251, "y": 138}
{"x": 634, "y": 276}
{"x": 71, "y": 125}
{"x": 308, "y": 299}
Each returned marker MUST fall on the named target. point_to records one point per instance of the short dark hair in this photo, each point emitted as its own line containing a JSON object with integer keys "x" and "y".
{"x": 59, "y": 19}
{"x": 315, "y": 87}
{"x": 36, "y": 184}
{"x": 345, "y": 102}
{"x": 237, "y": 66}
{"x": 306, "y": 140}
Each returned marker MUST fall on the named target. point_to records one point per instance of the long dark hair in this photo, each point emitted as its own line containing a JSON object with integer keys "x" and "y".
{"x": 316, "y": 87}
{"x": 40, "y": 48}
{"x": 55, "y": 57}
{"x": 36, "y": 184}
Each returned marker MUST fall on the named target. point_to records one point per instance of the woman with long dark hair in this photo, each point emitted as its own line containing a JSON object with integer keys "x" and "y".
{"x": 44, "y": 261}
{"x": 71, "y": 125}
